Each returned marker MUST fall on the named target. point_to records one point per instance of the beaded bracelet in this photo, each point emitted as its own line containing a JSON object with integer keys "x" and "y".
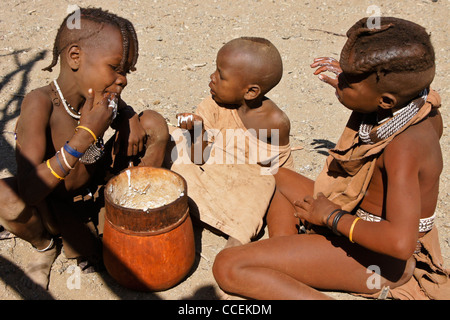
{"x": 53, "y": 171}
{"x": 72, "y": 151}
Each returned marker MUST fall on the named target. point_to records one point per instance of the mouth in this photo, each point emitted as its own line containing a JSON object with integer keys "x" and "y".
{"x": 211, "y": 89}
{"x": 113, "y": 94}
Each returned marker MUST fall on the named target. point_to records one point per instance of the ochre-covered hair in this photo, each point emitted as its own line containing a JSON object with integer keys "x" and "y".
{"x": 66, "y": 36}
{"x": 396, "y": 46}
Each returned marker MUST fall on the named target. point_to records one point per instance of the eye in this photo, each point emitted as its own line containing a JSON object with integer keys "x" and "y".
{"x": 119, "y": 69}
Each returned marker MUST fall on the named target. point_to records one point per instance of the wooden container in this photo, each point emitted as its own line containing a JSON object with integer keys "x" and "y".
{"x": 147, "y": 247}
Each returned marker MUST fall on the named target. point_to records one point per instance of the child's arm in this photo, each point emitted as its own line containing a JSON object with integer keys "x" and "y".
{"x": 131, "y": 135}
{"x": 38, "y": 175}
{"x": 194, "y": 124}
{"x": 397, "y": 235}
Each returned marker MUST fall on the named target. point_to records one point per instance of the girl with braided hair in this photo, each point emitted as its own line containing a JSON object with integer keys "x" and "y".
{"x": 372, "y": 207}
{"x": 61, "y": 157}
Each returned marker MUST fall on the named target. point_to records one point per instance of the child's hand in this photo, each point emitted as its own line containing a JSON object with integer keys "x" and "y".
{"x": 186, "y": 120}
{"x": 131, "y": 137}
{"x": 97, "y": 116}
{"x": 315, "y": 210}
{"x": 327, "y": 64}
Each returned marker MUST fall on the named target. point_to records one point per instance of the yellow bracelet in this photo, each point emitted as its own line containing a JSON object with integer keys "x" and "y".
{"x": 88, "y": 130}
{"x": 53, "y": 172}
{"x": 350, "y": 235}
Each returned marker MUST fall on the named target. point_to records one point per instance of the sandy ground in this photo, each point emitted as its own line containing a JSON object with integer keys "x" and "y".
{"x": 178, "y": 45}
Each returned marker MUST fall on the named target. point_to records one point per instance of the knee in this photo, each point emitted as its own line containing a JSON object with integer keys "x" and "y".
{"x": 400, "y": 276}
{"x": 408, "y": 272}
{"x": 155, "y": 125}
{"x": 225, "y": 269}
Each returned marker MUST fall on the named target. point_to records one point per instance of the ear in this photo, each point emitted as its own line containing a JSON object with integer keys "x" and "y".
{"x": 253, "y": 92}
{"x": 387, "y": 101}
{"x": 73, "y": 56}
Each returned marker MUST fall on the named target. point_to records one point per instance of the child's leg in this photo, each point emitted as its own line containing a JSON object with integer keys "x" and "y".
{"x": 158, "y": 136}
{"x": 77, "y": 221}
{"x": 290, "y": 186}
{"x": 23, "y": 221}
{"x": 290, "y": 267}
{"x": 28, "y": 224}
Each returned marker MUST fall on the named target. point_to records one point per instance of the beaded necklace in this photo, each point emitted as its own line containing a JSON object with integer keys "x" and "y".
{"x": 74, "y": 113}
{"x": 95, "y": 150}
{"x": 387, "y": 127}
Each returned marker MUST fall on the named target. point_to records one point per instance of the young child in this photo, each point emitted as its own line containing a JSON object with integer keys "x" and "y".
{"x": 378, "y": 190}
{"x": 60, "y": 155}
{"x": 235, "y": 132}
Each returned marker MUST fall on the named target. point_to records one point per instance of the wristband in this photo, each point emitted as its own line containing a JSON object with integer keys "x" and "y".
{"x": 64, "y": 159}
{"x": 53, "y": 171}
{"x": 350, "y": 235}
{"x": 336, "y": 220}
{"x": 72, "y": 151}
{"x": 60, "y": 164}
{"x": 88, "y": 130}
{"x": 329, "y": 216}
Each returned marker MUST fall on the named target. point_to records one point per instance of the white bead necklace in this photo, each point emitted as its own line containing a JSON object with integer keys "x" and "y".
{"x": 389, "y": 126}
{"x": 76, "y": 115}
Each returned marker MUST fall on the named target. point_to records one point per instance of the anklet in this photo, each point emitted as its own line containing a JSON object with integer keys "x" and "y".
{"x": 47, "y": 248}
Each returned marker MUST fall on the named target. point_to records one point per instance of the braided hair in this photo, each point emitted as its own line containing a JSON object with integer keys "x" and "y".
{"x": 397, "y": 46}
{"x": 66, "y": 36}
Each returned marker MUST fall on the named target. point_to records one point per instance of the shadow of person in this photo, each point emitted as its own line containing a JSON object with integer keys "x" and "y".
{"x": 13, "y": 277}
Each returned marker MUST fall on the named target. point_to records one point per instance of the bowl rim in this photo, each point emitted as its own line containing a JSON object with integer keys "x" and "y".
{"x": 113, "y": 204}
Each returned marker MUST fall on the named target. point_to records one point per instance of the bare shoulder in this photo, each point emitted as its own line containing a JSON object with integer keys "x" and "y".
{"x": 35, "y": 113}
{"x": 417, "y": 147}
{"x": 277, "y": 117}
{"x": 37, "y": 103}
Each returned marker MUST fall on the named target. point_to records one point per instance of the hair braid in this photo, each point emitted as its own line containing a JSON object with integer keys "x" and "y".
{"x": 133, "y": 35}
{"x": 56, "y": 50}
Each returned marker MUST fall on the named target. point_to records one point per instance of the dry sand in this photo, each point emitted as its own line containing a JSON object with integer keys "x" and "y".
{"x": 178, "y": 45}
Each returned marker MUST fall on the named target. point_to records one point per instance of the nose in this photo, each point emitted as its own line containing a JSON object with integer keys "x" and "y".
{"x": 213, "y": 77}
{"x": 122, "y": 80}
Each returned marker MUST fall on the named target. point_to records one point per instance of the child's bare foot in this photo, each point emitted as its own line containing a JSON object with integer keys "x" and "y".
{"x": 37, "y": 272}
